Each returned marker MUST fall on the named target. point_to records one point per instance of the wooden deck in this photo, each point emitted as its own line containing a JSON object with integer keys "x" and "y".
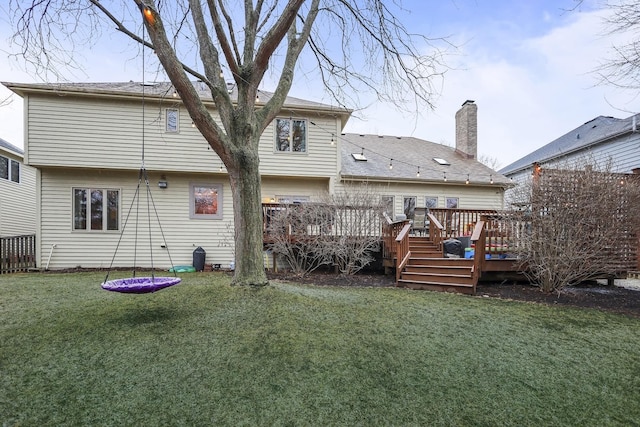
{"x": 420, "y": 262}
{"x": 415, "y": 254}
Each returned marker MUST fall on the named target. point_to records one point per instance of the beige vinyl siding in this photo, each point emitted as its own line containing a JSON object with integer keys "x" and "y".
{"x": 321, "y": 157}
{"x": 107, "y": 133}
{"x": 95, "y": 249}
{"x": 469, "y": 196}
{"x": 313, "y": 188}
{"x": 18, "y": 201}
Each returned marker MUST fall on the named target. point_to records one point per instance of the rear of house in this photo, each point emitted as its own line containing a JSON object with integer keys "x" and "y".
{"x": 86, "y": 140}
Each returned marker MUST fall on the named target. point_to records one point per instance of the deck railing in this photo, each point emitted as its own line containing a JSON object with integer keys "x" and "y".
{"x": 390, "y": 232}
{"x": 17, "y": 253}
{"x": 313, "y": 219}
{"x": 458, "y": 222}
{"x": 403, "y": 254}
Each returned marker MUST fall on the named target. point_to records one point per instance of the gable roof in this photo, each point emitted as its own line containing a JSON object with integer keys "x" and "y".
{"x": 5, "y": 146}
{"x": 161, "y": 90}
{"x": 595, "y": 131}
{"x": 407, "y": 154}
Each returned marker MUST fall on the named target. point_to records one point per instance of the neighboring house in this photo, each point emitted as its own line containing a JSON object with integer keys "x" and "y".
{"x": 17, "y": 192}
{"x": 86, "y": 141}
{"x": 603, "y": 140}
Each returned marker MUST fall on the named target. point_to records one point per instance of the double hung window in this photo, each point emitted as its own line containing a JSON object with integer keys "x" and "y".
{"x": 291, "y": 136}
{"x": 9, "y": 169}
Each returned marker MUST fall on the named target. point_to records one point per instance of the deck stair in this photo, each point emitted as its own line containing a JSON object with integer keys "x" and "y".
{"x": 428, "y": 269}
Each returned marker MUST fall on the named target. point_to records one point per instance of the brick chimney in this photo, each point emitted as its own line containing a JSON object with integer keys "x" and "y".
{"x": 467, "y": 130}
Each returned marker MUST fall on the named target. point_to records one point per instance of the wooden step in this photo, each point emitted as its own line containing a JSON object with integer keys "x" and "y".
{"x": 440, "y": 287}
{"x": 414, "y": 260}
{"x": 439, "y": 269}
{"x": 449, "y": 278}
{"x": 425, "y": 255}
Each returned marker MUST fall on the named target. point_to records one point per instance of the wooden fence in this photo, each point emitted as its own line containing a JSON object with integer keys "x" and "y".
{"x": 17, "y": 253}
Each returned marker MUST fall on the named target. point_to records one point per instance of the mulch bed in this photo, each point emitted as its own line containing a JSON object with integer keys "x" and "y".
{"x": 590, "y": 295}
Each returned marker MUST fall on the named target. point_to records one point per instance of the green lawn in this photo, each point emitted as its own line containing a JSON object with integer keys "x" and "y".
{"x": 204, "y": 353}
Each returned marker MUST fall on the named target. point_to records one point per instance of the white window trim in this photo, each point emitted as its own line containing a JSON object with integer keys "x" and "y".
{"x": 10, "y": 163}
{"x": 431, "y": 197}
{"x": 292, "y": 199}
{"x": 393, "y": 204}
{"x": 105, "y": 205}
{"x": 446, "y": 200}
{"x": 290, "y": 151}
{"x": 220, "y": 189}
{"x": 166, "y": 120}
{"x": 415, "y": 205}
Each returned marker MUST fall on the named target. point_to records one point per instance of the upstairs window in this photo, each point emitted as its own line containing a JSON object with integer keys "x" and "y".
{"x": 9, "y": 169}
{"x": 96, "y": 209}
{"x": 172, "y": 122}
{"x": 291, "y": 136}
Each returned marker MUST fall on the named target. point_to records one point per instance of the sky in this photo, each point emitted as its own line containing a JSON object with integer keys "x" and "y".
{"x": 529, "y": 66}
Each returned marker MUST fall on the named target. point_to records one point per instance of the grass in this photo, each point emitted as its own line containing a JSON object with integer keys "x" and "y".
{"x": 206, "y": 353}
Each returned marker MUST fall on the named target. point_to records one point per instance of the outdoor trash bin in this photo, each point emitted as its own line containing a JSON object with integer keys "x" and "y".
{"x": 198, "y": 258}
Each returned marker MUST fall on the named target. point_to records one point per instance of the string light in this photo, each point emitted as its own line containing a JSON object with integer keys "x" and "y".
{"x": 334, "y": 136}
{"x": 148, "y": 14}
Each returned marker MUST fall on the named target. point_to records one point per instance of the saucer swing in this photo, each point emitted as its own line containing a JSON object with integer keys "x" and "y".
{"x": 133, "y": 284}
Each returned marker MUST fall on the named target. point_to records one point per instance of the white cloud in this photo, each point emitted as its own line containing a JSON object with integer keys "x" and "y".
{"x": 527, "y": 96}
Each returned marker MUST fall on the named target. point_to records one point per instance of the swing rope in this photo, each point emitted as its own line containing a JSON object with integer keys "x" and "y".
{"x": 144, "y": 284}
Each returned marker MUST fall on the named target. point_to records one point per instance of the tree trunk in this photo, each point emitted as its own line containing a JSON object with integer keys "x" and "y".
{"x": 247, "y": 209}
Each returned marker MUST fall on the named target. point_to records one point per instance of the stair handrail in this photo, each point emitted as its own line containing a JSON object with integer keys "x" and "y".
{"x": 436, "y": 230}
{"x": 478, "y": 238}
{"x": 402, "y": 250}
